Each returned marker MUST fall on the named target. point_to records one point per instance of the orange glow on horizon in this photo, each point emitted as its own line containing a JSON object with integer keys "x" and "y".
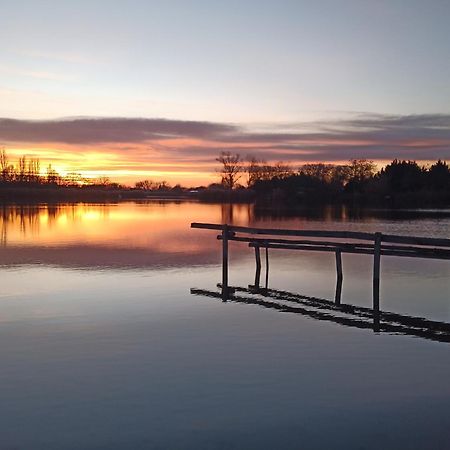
{"x": 171, "y": 160}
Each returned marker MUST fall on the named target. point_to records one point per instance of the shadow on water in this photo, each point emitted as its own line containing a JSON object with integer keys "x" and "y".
{"x": 345, "y": 213}
{"x": 327, "y": 310}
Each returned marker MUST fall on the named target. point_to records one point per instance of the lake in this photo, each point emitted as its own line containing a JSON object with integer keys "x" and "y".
{"x": 103, "y": 345}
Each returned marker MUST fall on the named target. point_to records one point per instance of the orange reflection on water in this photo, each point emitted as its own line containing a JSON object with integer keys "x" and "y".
{"x": 120, "y": 235}
{"x": 161, "y": 226}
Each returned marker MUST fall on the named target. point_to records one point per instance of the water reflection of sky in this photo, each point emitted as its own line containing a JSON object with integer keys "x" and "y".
{"x": 112, "y": 358}
{"x": 158, "y": 233}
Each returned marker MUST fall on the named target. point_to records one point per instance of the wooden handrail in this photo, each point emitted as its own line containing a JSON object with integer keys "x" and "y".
{"x": 415, "y": 240}
{"x": 278, "y": 232}
{"x": 410, "y": 246}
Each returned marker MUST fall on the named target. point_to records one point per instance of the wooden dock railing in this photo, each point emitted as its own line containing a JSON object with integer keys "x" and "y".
{"x": 376, "y": 244}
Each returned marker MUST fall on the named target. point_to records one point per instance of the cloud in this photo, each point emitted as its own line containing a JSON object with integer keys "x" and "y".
{"x": 373, "y": 136}
{"x": 107, "y": 130}
{"x": 40, "y": 74}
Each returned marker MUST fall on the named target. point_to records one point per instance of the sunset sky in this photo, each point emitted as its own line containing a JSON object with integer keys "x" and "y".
{"x": 145, "y": 89}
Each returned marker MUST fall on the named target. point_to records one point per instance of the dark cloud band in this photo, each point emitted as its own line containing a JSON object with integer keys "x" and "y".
{"x": 374, "y": 136}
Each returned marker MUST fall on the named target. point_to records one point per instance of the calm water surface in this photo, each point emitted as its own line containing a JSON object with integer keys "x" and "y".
{"x": 103, "y": 346}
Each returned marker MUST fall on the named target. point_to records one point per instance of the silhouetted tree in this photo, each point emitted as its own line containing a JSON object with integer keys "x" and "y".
{"x": 103, "y": 181}
{"x": 260, "y": 170}
{"x": 439, "y": 176}
{"x": 403, "y": 176}
{"x": 163, "y": 186}
{"x": 232, "y": 166}
{"x": 53, "y": 176}
{"x": 361, "y": 170}
{"x": 146, "y": 185}
{"x": 22, "y": 168}
{"x": 7, "y": 170}
{"x": 321, "y": 171}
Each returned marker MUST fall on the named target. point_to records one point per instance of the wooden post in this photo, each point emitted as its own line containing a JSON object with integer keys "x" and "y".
{"x": 258, "y": 267}
{"x": 225, "y": 262}
{"x": 376, "y": 274}
{"x": 339, "y": 277}
{"x": 267, "y": 267}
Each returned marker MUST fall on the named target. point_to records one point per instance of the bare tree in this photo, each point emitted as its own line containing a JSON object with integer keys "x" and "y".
{"x": 103, "y": 181}
{"x": 259, "y": 170}
{"x": 231, "y": 170}
{"x": 282, "y": 170}
{"x": 145, "y": 185}
{"x": 33, "y": 173}
{"x": 5, "y": 167}
{"x": 22, "y": 168}
{"x": 53, "y": 176}
{"x": 3, "y": 159}
{"x": 163, "y": 186}
{"x": 361, "y": 169}
{"x": 321, "y": 171}
{"x": 74, "y": 179}
{"x": 255, "y": 170}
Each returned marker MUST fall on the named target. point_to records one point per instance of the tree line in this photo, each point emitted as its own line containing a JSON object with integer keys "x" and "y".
{"x": 27, "y": 172}
{"x": 251, "y": 178}
{"x": 358, "y": 178}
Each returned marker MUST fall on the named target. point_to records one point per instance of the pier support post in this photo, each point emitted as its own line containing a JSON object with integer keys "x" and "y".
{"x": 376, "y": 279}
{"x": 267, "y": 267}
{"x": 225, "y": 262}
{"x": 258, "y": 266}
{"x": 339, "y": 277}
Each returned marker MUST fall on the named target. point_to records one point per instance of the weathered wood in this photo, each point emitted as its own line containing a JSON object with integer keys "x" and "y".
{"x": 206, "y": 226}
{"x": 339, "y": 278}
{"x": 258, "y": 266}
{"x": 368, "y": 250}
{"x": 225, "y": 261}
{"x": 262, "y": 241}
{"x": 279, "y": 232}
{"x": 318, "y": 248}
{"x": 376, "y": 272}
{"x": 409, "y": 246}
{"x": 342, "y": 245}
{"x": 415, "y": 240}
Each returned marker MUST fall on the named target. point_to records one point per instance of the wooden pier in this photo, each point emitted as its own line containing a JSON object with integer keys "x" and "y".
{"x": 337, "y": 242}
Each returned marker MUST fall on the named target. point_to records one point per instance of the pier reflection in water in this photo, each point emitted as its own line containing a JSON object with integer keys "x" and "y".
{"x": 327, "y": 310}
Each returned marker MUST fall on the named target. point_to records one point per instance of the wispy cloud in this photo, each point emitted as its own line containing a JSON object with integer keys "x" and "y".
{"x": 40, "y": 74}
{"x": 378, "y": 137}
{"x": 108, "y": 130}
{"x": 67, "y": 57}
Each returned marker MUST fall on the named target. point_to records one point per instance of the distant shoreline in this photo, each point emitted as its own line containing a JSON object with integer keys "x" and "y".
{"x": 50, "y": 194}
{"x": 74, "y": 194}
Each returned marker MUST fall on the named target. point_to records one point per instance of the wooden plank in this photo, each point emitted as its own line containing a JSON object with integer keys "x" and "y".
{"x": 341, "y": 245}
{"x": 339, "y": 277}
{"x": 415, "y": 240}
{"x": 281, "y": 232}
{"x": 357, "y": 250}
{"x": 310, "y": 233}
{"x": 206, "y": 226}
{"x": 271, "y": 240}
{"x": 258, "y": 266}
{"x": 225, "y": 262}
{"x": 376, "y": 272}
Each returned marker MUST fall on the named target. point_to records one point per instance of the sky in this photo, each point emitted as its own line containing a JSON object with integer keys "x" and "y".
{"x": 147, "y": 89}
